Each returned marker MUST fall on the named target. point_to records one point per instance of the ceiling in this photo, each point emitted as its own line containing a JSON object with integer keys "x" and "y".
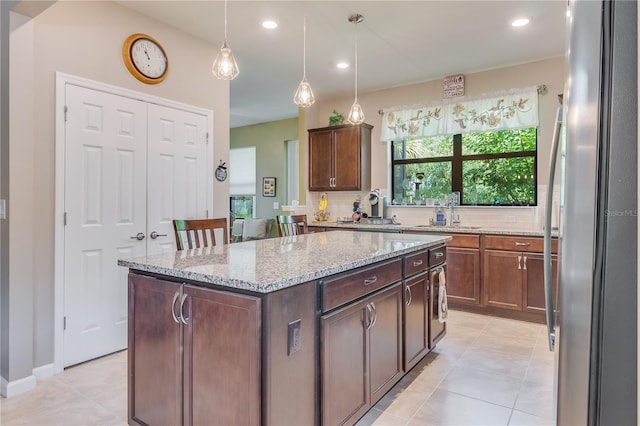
{"x": 399, "y": 43}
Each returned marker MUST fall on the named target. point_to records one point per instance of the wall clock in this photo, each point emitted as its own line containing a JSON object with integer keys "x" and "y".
{"x": 145, "y": 58}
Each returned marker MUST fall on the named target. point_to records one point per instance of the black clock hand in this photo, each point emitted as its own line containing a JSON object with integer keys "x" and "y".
{"x": 145, "y": 52}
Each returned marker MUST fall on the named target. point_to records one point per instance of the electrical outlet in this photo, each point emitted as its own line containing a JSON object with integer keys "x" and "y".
{"x": 276, "y": 205}
{"x": 294, "y": 340}
{"x": 3, "y": 209}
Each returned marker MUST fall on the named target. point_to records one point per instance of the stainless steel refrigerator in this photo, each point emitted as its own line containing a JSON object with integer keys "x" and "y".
{"x": 593, "y": 328}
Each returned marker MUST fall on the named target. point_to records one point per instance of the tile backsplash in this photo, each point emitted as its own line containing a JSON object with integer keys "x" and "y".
{"x": 340, "y": 204}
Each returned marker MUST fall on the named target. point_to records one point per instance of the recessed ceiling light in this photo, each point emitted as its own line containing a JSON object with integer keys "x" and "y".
{"x": 520, "y": 22}
{"x": 342, "y": 65}
{"x": 270, "y": 25}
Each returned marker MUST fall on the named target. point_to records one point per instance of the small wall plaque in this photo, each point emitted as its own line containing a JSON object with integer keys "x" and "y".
{"x": 453, "y": 86}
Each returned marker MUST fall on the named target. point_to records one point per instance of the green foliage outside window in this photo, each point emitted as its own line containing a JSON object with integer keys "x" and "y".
{"x": 492, "y": 168}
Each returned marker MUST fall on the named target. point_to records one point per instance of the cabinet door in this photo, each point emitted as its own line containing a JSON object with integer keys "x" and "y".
{"x": 385, "y": 341}
{"x": 533, "y": 268}
{"x": 503, "y": 279}
{"x": 221, "y": 358}
{"x": 463, "y": 275}
{"x": 320, "y": 160}
{"x": 345, "y": 384}
{"x": 416, "y": 328}
{"x": 347, "y": 158}
{"x": 155, "y": 352}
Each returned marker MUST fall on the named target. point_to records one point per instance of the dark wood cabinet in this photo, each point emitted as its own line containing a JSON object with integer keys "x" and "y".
{"x": 361, "y": 354}
{"x": 503, "y": 279}
{"x": 340, "y": 158}
{"x": 463, "y": 275}
{"x": 416, "y": 326}
{"x": 533, "y": 289}
{"x": 194, "y": 355}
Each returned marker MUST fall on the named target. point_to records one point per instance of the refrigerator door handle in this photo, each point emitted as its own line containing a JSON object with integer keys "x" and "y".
{"x": 548, "y": 279}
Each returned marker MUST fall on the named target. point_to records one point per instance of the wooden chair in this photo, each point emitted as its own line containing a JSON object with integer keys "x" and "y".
{"x": 292, "y": 225}
{"x": 199, "y": 232}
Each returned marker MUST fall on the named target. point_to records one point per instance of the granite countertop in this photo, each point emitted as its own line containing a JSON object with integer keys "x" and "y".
{"x": 462, "y": 229}
{"x": 268, "y": 265}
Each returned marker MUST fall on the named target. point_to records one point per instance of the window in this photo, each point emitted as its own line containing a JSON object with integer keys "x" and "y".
{"x": 488, "y": 168}
{"x": 242, "y": 182}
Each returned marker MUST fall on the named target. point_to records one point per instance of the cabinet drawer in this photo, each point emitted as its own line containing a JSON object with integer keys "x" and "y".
{"x": 344, "y": 288}
{"x": 532, "y": 244}
{"x": 464, "y": 241}
{"x": 415, "y": 263}
{"x": 437, "y": 255}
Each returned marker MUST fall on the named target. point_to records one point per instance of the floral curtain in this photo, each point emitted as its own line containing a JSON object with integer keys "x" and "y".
{"x": 514, "y": 109}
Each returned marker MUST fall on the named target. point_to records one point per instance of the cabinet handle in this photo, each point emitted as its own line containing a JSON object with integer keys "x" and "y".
{"x": 519, "y": 260}
{"x": 522, "y": 244}
{"x": 418, "y": 263}
{"x": 375, "y": 315}
{"x": 525, "y": 263}
{"x": 185, "y": 320}
{"x": 173, "y": 307}
{"x": 408, "y": 290}
{"x": 439, "y": 254}
{"x": 370, "y": 316}
{"x": 369, "y": 281}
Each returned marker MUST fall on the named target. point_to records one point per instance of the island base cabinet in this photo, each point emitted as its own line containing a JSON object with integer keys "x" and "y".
{"x": 194, "y": 355}
{"x": 416, "y": 326}
{"x": 361, "y": 347}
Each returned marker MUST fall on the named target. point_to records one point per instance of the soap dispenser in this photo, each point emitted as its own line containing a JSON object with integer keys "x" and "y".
{"x": 440, "y": 216}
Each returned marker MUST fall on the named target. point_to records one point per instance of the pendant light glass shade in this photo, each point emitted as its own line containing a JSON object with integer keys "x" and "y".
{"x": 356, "y": 116}
{"x": 304, "y": 95}
{"x": 225, "y": 66}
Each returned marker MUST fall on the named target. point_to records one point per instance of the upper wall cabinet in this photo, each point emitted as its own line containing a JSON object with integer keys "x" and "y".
{"x": 340, "y": 158}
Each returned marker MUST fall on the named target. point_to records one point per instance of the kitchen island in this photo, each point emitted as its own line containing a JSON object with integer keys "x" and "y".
{"x": 309, "y": 329}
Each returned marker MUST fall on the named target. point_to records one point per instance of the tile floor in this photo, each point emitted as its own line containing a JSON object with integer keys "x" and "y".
{"x": 486, "y": 371}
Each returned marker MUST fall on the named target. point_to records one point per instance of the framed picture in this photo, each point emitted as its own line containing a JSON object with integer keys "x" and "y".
{"x": 268, "y": 187}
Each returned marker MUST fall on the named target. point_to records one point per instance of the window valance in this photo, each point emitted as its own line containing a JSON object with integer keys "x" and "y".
{"x": 514, "y": 109}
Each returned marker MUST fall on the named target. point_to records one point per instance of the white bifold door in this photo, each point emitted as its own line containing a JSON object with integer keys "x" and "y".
{"x": 131, "y": 167}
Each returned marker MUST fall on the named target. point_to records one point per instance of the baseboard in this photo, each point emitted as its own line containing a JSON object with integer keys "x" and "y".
{"x": 16, "y": 387}
{"x": 44, "y": 372}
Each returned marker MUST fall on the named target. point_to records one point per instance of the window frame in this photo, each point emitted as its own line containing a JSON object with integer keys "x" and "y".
{"x": 457, "y": 160}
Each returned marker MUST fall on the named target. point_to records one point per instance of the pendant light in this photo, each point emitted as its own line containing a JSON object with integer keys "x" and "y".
{"x": 304, "y": 95}
{"x": 225, "y": 66}
{"x": 356, "y": 116}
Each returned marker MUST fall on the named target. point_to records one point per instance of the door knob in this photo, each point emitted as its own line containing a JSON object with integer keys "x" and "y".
{"x": 139, "y": 236}
{"x": 155, "y": 235}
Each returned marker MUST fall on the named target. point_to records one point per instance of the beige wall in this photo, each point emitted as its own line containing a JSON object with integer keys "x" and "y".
{"x": 549, "y": 72}
{"x": 85, "y": 39}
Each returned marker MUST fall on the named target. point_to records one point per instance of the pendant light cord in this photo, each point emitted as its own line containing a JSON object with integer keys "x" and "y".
{"x": 225, "y": 20}
{"x": 356, "y": 67}
{"x": 304, "y": 48}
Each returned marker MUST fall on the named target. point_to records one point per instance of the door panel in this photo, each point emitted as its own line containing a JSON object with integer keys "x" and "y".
{"x": 385, "y": 341}
{"x": 105, "y": 201}
{"x": 345, "y": 384}
{"x": 463, "y": 275}
{"x": 416, "y": 328}
{"x": 503, "y": 279}
{"x": 347, "y": 159}
{"x": 320, "y": 160}
{"x": 177, "y": 157}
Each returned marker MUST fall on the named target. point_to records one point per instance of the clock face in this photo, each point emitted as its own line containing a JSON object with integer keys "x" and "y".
{"x": 145, "y": 59}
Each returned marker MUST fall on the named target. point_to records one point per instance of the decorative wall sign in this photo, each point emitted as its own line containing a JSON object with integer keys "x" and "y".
{"x": 453, "y": 86}
{"x": 268, "y": 187}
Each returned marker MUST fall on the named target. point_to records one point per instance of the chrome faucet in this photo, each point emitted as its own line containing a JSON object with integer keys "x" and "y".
{"x": 453, "y": 200}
